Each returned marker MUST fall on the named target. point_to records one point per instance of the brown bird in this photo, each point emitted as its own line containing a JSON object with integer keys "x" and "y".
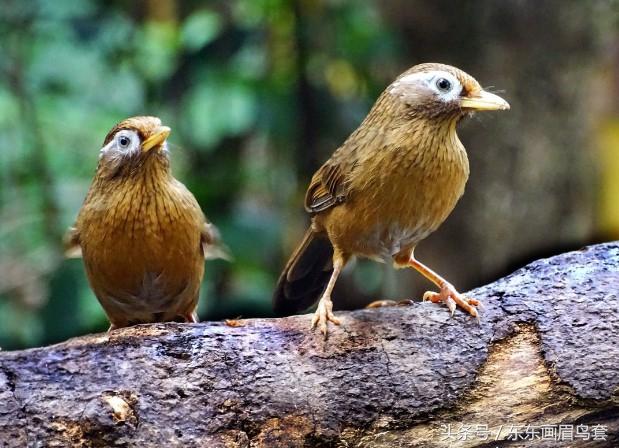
{"x": 389, "y": 186}
{"x": 141, "y": 232}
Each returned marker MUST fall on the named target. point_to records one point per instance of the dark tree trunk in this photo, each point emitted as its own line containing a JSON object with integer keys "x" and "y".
{"x": 546, "y": 351}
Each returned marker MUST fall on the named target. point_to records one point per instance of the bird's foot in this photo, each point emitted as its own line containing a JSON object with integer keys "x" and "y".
{"x": 324, "y": 314}
{"x": 453, "y": 299}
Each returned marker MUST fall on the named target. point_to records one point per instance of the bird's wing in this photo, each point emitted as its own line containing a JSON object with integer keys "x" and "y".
{"x": 71, "y": 242}
{"x": 329, "y": 186}
{"x": 212, "y": 245}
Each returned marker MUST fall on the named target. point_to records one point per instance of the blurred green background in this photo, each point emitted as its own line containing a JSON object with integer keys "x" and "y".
{"x": 260, "y": 92}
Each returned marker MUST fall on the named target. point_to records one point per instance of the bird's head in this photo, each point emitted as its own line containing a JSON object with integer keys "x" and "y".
{"x": 436, "y": 91}
{"x": 133, "y": 142}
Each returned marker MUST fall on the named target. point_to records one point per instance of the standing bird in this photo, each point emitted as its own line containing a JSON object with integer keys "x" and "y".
{"x": 141, "y": 233}
{"x": 389, "y": 186}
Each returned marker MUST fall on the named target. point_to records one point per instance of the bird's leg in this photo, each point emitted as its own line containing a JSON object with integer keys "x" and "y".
{"x": 324, "y": 312}
{"x": 112, "y": 327}
{"x": 447, "y": 294}
{"x": 191, "y": 318}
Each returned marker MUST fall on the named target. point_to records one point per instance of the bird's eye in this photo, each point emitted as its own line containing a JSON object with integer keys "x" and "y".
{"x": 444, "y": 85}
{"x": 124, "y": 141}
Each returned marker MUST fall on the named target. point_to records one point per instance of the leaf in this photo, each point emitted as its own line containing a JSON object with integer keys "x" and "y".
{"x": 156, "y": 53}
{"x": 199, "y": 29}
{"x": 219, "y": 109}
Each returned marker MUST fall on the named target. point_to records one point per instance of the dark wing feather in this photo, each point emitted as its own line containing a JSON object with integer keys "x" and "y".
{"x": 329, "y": 186}
{"x": 305, "y": 276}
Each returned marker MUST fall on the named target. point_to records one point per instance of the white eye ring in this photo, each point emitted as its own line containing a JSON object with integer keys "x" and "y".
{"x": 124, "y": 141}
{"x": 443, "y": 85}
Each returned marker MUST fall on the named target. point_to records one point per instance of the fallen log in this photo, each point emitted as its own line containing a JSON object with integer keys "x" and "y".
{"x": 544, "y": 358}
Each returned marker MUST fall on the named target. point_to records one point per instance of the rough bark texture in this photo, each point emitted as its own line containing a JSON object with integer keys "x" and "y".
{"x": 545, "y": 352}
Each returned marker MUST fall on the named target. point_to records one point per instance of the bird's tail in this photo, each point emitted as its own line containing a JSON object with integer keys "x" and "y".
{"x": 305, "y": 276}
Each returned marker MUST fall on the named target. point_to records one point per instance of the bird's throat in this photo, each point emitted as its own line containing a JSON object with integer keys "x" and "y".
{"x": 133, "y": 167}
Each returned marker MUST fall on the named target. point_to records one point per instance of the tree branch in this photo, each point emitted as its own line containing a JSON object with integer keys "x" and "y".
{"x": 546, "y": 351}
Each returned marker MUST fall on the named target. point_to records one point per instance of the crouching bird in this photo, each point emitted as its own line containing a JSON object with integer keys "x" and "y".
{"x": 141, "y": 232}
{"x": 389, "y": 186}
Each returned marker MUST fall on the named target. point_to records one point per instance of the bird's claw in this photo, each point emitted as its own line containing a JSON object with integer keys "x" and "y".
{"x": 453, "y": 299}
{"x": 324, "y": 314}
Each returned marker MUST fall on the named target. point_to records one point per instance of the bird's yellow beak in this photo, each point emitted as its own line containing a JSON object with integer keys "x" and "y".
{"x": 484, "y": 101}
{"x": 156, "y": 139}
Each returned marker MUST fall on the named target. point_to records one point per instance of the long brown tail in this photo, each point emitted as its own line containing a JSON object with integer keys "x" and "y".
{"x": 305, "y": 276}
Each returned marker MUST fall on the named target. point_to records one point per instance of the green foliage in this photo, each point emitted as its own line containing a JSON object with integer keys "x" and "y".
{"x": 199, "y": 29}
{"x": 218, "y": 109}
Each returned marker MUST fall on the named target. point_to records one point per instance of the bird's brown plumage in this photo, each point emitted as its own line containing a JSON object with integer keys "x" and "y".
{"x": 391, "y": 184}
{"x": 141, "y": 233}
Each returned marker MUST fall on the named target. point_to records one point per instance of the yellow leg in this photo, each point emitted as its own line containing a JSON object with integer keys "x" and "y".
{"x": 324, "y": 312}
{"x": 447, "y": 294}
{"x": 191, "y": 318}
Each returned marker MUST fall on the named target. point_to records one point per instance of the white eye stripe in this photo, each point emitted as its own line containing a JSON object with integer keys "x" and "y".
{"x": 428, "y": 80}
{"x": 427, "y": 77}
{"x": 126, "y": 135}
